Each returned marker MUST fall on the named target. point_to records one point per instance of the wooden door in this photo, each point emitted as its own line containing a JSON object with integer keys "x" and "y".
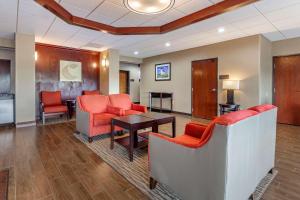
{"x": 204, "y": 88}
{"x": 124, "y": 82}
{"x": 4, "y": 76}
{"x": 287, "y": 89}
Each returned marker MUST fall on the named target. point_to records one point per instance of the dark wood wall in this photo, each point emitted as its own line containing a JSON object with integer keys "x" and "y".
{"x": 47, "y": 70}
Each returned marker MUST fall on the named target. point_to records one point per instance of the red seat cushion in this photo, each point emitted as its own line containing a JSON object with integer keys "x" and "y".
{"x": 90, "y": 92}
{"x": 187, "y": 140}
{"x": 121, "y": 101}
{"x": 262, "y": 108}
{"x": 51, "y": 98}
{"x": 132, "y": 112}
{"x": 55, "y": 109}
{"x": 103, "y": 119}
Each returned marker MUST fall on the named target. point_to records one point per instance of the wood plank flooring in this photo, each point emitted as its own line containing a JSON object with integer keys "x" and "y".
{"x": 48, "y": 163}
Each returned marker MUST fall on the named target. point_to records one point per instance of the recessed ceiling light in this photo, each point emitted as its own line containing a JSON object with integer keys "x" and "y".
{"x": 221, "y": 29}
{"x": 136, "y": 53}
{"x": 168, "y": 44}
{"x": 149, "y": 7}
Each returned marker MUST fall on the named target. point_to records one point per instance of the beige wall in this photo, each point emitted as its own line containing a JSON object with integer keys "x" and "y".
{"x": 7, "y": 52}
{"x": 239, "y": 58}
{"x": 265, "y": 76}
{"x": 25, "y": 79}
{"x": 126, "y": 59}
{"x": 286, "y": 47}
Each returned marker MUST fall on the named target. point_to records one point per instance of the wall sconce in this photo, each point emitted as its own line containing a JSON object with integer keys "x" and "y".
{"x": 35, "y": 55}
{"x": 105, "y": 62}
{"x": 94, "y": 65}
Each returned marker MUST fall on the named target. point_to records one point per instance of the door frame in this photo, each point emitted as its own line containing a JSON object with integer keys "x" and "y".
{"x": 128, "y": 80}
{"x": 217, "y": 83}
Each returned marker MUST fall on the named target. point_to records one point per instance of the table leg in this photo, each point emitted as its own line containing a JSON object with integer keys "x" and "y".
{"x": 131, "y": 143}
{"x": 155, "y": 128}
{"x": 112, "y": 135}
{"x": 135, "y": 139}
{"x": 174, "y": 127}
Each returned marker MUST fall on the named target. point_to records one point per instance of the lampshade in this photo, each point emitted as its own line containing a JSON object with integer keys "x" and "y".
{"x": 231, "y": 84}
{"x": 149, "y": 7}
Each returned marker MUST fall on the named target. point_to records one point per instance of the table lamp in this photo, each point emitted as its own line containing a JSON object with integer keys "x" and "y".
{"x": 230, "y": 86}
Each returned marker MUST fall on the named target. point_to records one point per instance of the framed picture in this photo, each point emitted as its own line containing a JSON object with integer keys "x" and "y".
{"x": 70, "y": 71}
{"x": 163, "y": 72}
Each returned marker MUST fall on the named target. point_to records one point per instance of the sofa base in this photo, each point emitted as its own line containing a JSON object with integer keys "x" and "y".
{"x": 152, "y": 183}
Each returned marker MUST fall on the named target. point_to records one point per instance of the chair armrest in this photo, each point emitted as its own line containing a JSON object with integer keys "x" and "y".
{"x": 116, "y": 110}
{"x": 138, "y": 107}
{"x": 175, "y": 141}
{"x": 195, "y": 130}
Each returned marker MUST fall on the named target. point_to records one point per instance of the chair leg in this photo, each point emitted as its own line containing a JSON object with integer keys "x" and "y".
{"x": 152, "y": 183}
{"x": 43, "y": 118}
{"x": 90, "y": 139}
{"x": 271, "y": 171}
{"x": 251, "y": 197}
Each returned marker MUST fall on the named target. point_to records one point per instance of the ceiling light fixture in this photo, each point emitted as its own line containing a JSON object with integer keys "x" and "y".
{"x": 221, "y": 29}
{"x": 149, "y": 7}
{"x": 168, "y": 44}
{"x": 136, "y": 53}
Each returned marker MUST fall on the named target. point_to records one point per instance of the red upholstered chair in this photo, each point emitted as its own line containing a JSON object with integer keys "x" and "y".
{"x": 51, "y": 104}
{"x": 223, "y": 160}
{"x": 124, "y": 102}
{"x": 94, "y": 114}
{"x": 90, "y": 92}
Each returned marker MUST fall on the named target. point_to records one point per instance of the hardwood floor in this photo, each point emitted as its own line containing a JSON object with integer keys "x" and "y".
{"x": 48, "y": 162}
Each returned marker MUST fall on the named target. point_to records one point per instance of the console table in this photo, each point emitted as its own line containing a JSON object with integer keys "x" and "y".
{"x": 226, "y": 108}
{"x": 161, "y": 96}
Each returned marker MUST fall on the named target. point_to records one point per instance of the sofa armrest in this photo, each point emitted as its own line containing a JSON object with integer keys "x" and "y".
{"x": 116, "y": 110}
{"x": 138, "y": 107}
{"x": 84, "y": 121}
{"x": 195, "y": 130}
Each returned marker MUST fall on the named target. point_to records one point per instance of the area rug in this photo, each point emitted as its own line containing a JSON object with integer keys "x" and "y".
{"x": 4, "y": 176}
{"x": 136, "y": 172}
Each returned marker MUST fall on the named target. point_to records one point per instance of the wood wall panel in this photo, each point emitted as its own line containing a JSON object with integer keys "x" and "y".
{"x": 47, "y": 70}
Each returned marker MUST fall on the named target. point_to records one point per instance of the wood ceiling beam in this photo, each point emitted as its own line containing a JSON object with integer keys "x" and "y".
{"x": 211, "y": 11}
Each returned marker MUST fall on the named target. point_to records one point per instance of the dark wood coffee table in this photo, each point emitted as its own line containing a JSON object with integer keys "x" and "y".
{"x": 133, "y": 123}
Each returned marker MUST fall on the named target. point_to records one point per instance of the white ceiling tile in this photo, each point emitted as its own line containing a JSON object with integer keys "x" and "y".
{"x": 108, "y": 12}
{"x": 271, "y": 5}
{"x": 274, "y": 36}
{"x": 292, "y": 33}
{"x": 193, "y": 6}
{"x": 132, "y": 19}
{"x": 8, "y": 15}
{"x": 83, "y": 5}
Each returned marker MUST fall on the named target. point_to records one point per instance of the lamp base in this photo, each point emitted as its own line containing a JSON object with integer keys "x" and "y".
{"x": 230, "y": 97}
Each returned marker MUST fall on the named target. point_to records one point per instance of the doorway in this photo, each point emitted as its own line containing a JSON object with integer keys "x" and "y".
{"x": 286, "y": 93}
{"x": 124, "y": 83}
{"x": 5, "y": 76}
{"x": 204, "y": 88}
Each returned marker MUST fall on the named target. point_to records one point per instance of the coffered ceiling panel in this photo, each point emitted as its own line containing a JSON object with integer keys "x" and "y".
{"x": 276, "y": 19}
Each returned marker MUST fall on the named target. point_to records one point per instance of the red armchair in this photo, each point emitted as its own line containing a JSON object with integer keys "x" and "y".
{"x": 51, "y": 104}
{"x": 123, "y": 101}
{"x": 90, "y": 92}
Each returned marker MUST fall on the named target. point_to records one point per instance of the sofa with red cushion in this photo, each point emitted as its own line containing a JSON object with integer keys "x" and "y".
{"x": 51, "y": 104}
{"x": 224, "y": 160}
{"x": 124, "y": 102}
{"x": 94, "y": 114}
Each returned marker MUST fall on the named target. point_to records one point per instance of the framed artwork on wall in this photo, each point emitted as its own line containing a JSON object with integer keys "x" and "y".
{"x": 70, "y": 71}
{"x": 163, "y": 72}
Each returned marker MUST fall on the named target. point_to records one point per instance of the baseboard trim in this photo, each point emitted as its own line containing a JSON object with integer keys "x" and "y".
{"x": 25, "y": 124}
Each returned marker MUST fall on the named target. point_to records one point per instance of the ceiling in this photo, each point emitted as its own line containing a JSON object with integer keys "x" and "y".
{"x": 275, "y": 19}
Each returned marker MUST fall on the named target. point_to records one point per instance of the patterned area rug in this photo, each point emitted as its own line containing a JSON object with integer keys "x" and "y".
{"x": 136, "y": 172}
{"x": 4, "y": 176}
